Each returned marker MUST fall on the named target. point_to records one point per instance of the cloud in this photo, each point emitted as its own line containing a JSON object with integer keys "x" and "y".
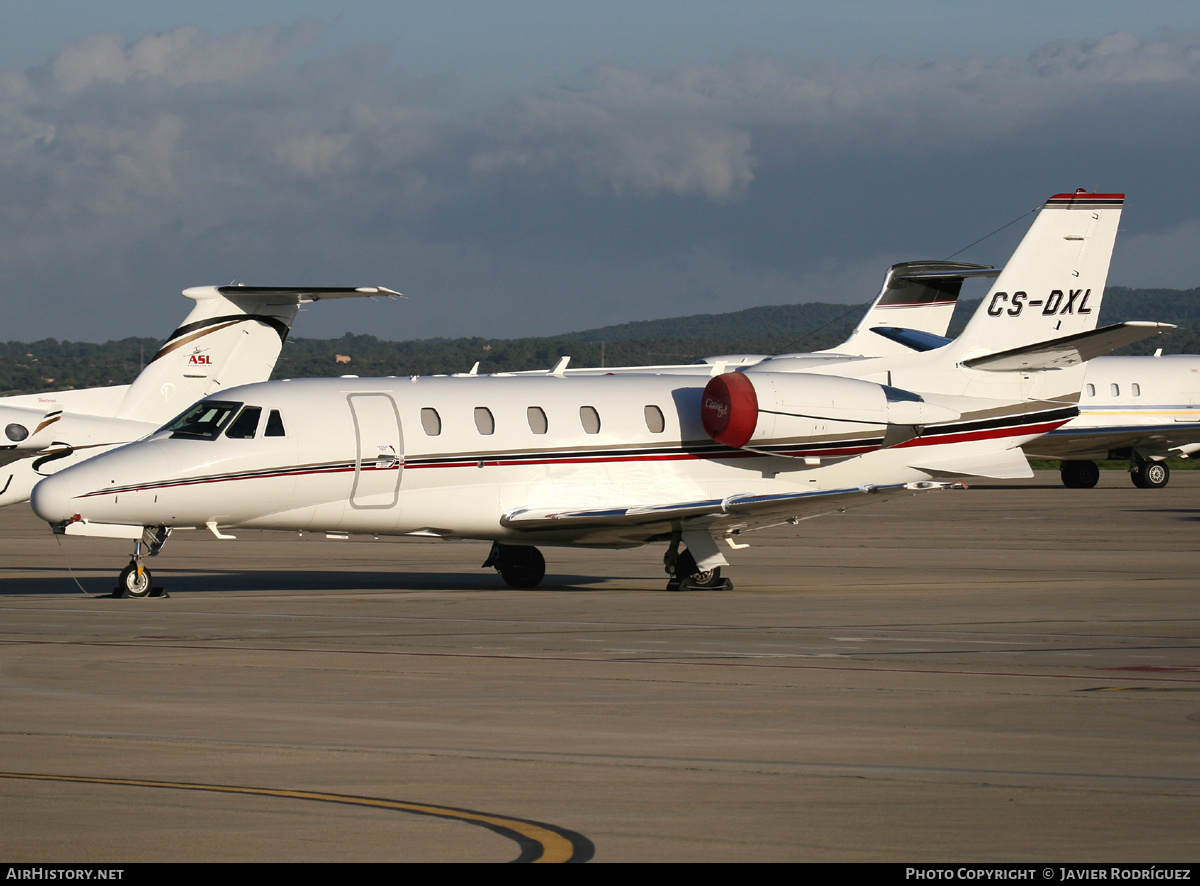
{"x": 131, "y": 170}
{"x": 1169, "y": 258}
{"x": 181, "y": 56}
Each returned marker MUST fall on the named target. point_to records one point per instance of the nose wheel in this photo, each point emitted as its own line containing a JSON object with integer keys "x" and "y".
{"x": 135, "y": 579}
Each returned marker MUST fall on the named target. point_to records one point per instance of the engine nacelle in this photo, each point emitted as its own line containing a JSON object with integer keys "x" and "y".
{"x": 770, "y": 409}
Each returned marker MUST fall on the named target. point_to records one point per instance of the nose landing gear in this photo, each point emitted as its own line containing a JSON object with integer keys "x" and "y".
{"x": 135, "y": 579}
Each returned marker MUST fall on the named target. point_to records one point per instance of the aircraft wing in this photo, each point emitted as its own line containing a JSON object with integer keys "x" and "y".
{"x": 741, "y": 511}
{"x": 1163, "y": 439}
{"x": 1069, "y": 350}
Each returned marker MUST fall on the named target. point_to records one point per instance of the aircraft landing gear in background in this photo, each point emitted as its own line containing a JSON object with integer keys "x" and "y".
{"x": 521, "y": 566}
{"x": 1148, "y": 474}
{"x": 1079, "y": 474}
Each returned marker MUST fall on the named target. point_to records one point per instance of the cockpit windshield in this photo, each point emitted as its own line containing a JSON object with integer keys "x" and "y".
{"x": 203, "y": 421}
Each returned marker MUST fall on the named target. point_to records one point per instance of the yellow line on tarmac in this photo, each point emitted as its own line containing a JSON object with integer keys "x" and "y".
{"x": 539, "y": 842}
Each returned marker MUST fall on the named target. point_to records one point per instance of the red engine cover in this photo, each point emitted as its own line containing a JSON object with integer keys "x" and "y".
{"x": 729, "y": 409}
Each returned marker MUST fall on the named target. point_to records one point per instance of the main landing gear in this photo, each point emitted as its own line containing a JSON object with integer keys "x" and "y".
{"x": 1144, "y": 473}
{"x": 687, "y": 576}
{"x": 135, "y": 579}
{"x": 1079, "y": 474}
{"x": 1148, "y": 474}
{"x": 521, "y": 566}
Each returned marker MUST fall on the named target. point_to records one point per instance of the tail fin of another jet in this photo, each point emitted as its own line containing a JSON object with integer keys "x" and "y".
{"x": 1053, "y": 285}
{"x": 918, "y": 296}
{"x": 232, "y": 336}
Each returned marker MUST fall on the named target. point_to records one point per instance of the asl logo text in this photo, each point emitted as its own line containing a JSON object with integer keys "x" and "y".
{"x": 1073, "y": 301}
{"x": 200, "y": 360}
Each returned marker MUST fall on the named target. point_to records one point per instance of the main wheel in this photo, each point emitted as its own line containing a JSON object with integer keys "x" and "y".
{"x": 521, "y": 566}
{"x": 1079, "y": 474}
{"x": 1151, "y": 474}
{"x": 689, "y": 577}
{"x": 130, "y": 584}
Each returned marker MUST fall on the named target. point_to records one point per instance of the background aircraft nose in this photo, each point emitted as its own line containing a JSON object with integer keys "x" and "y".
{"x": 51, "y": 499}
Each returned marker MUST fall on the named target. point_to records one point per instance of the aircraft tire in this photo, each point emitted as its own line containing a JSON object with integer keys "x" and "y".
{"x": 688, "y": 576}
{"x": 1079, "y": 474}
{"x": 1150, "y": 475}
{"x": 521, "y": 566}
{"x": 130, "y": 584}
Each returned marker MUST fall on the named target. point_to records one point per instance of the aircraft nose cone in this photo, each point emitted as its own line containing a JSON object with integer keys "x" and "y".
{"x": 51, "y": 499}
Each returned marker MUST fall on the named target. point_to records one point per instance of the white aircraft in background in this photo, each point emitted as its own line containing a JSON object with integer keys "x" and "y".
{"x": 624, "y": 459}
{"x": 1144, "y": 409}
{"x": 232, "y": 336}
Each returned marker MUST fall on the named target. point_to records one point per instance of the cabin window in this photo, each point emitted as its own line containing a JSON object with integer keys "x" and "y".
{"x": 484, "y": 421}
{"x": 654, "y": 420}
{"x": 590, "y": 419}
{"x": 1114, "y": 389}
{"x": 274, "y": 425}
{"x": 204, "y": 421}
{"x": 1091, "y": 390}
{"x": 245, "y": 425}
{"x": 431, "y": 421}
{"x": 1137, "y": 389}
{"x": 537, "y": 419}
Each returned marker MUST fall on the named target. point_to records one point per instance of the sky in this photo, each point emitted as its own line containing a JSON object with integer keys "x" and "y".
{"x": 531, "y": 168}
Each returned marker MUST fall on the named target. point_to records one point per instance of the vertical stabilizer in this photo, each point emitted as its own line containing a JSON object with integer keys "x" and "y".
{"x": 232, "y": 337}
{"x": 1054, "y": 283}
{"x": 917, "y": 296}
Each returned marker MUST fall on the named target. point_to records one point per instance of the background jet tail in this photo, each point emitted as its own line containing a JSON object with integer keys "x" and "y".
{"x": 232, "y": 337}
{"x": 916, "y": 295}
{"x": 1053, "y": 285}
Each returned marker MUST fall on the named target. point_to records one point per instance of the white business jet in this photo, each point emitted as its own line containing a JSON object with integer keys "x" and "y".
{"x": 625, "y": 459}
{"x": 232, "y": 336}
{"x": 1144, "y": 409}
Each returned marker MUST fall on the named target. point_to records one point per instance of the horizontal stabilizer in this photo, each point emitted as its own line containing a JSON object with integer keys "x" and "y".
{"x": 915, "y": 339}
{"x": 1069, "y": 350}
{"x": 290, "y": 295}
{"x": 791, "y": 504}
{"x": 1004, "y": 464}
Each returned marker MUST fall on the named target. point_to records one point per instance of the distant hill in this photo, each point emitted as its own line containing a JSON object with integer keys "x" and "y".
{"x": 53, "y": 365}
{"x": 782, "y": 321}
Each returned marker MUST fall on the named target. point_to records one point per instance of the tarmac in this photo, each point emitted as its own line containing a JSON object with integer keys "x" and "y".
{"x": 1006, "y": 673}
